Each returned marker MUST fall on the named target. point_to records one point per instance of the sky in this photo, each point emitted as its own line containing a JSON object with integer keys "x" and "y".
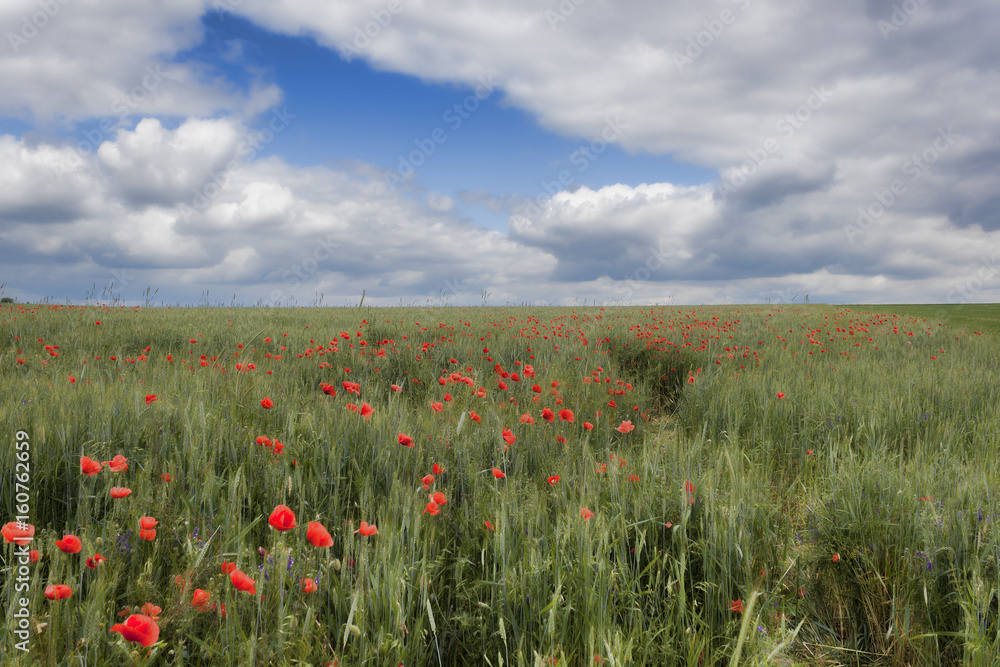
{"x": 570, "y": 152}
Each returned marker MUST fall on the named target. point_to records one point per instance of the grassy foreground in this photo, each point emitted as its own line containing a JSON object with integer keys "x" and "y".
{"x": 677, "y": 486}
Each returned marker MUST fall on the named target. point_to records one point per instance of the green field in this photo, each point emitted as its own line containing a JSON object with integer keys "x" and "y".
{"x": 745, "y": 485}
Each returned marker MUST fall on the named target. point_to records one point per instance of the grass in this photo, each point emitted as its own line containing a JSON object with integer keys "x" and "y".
{"x": 802, "y": 486}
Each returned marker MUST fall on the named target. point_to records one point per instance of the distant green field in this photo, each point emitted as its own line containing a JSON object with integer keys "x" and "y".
{"x": 698, "y": 486}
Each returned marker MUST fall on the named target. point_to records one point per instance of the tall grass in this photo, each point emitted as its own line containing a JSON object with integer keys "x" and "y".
{"x": 716, "y": 521}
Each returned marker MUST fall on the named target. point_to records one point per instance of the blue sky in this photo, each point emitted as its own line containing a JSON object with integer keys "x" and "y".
{"x": 623, "y": 152}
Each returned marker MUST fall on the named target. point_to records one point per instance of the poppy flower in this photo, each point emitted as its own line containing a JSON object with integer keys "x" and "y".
{"x": 242, "y": 582}
{"x": 18, "y": 532}
{"x": 263, "y": 440}
{"x": 328, "y": 389}
{"x": 489, "y": 526}
{"x": 150, "y": 398}
{"x": 89, "y": 466}
{"x": 120, "y": 491}
{"x": 625, "y": 427}
{"x": 427, "y": 480}
{"x": 567, "y": 415}
{"x": 588, "y": 426}
{"x": 318, "y": 536}
{"x": 437, "y": 406}
{"x": 366, "y": 410}
{"x": 586, "y": 513}
{"x": 781, "y": 394}
{"x": 70, "y": 544}
{"x": 95, "y": 560}
{"x": 266, "y": 403}
{"x": 438, "y": 469}
{"x": 34, "y": 555}
{"x": 405, "y": 440}
{"x": 367, "y": 529}
{"x": 151, "y": 610}
{"x": 548, "y": 415}
{"x": 836, "y": 557}
{"x": 499, "y": 474}
{"x": 737, "y": 606}
{"x": 508, "y": 436}
{"x": 58, "y": 591}
{"x": 138, "y": 628}
{"x": 227, "y": 567}
{"x": 527, "y": 419}
{"x": 200, "y": 599}
{"x": 165, "y": 477}
{"x": 689, "y": 488}
{"x": 308, "y": 586}
{"x": 72, "y": 380}
{"x": 282, "y": 518}
{"x": 561, "y": 439}
{"x": 432, "y": 508}
{"x": 690, "y": 379}
{"x": 396, "y": 388}
{"x": 351, "y": 387}
{"x": 554, "y": 479}
{"x": 535, "y": 388}
{"x": 474, "y": 417}
{"x": 117, "y": 464}
{"x": 438, "y": 497}
{"x": 147, "y": 527}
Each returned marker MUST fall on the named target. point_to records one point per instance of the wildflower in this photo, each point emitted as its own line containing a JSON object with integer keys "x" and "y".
{"x": 308, "y": 586}
{"x": 499, "y": 474}
{"x": 527, "y": 419}
{"x": 836, "y": 558}
{"x": 566, "y": 415}
{"x": 548, "y": 415}
{"x": 737, "y": 606}
{"x": 432, "y": 508}
{"x": 118, "y": 464}
{"x": 689, "y": 488}
{"x": 781, "y": 394}
{"x": 242, "y": 582}
{"x": 474, "y": 417}
{"x": 397, "y": 388}
{"x": 165, "y": 477}
{"x": 138, "y": 628}
{"x": 200, "y": 599}
{"x": 489, "y": 526}
{"x": 508, "y": 436}
{"x": 625, "y": 427}
{"x": 367, "y": 529}
{"x": 437, "y": 406}
{"x": 89, "y": 466}
{"x": 405, "y": 440}
{"x": 150, "y": 398}
{"x": 438, "y": 497}
{"x": 120, "y": 491}
{"x": 367, "y": 411}
{"x": 438, "y": 469}
{"x": 588, "y": 426}
{"x": 34, "y": 555}
{"x": 58, "y": 591}
{"x": 427, "y": 480}
{"x": 70, "y": 544}
{"x": 95, "y": 560}
{"x": 586, "y": 513}
{"x": 266, "y": 403}
{"x": 561, "y": 439}
{"x": 227, "y": 567}
{"x": 328, "y": 389}
{"x": 553, "y": 480}
{"x": 282, "y": 518}
{"x": 151, "y": 610}
{"x": 318, "y": 535}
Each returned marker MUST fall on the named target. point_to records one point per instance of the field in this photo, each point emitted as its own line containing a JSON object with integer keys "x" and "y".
{"x": 748, "y": 485}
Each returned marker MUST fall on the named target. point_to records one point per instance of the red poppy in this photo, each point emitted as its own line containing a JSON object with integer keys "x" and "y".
{"x": 474, "y": 417}
{"x": 89, "y": 466}
{"x": 72, "y": 380}
{"x": 165, "y": 477}
{"x": 737, "y": 606}
{"x": 308, "y": 586}
{"x": 266, "y": 403}
{"x": 70, "y": 544}
{"x": 138, "y": 628}
{"x": 548, "y": 415}
{"x": 432, "y": 508}
{"x": 242, "y": 582}
{"x": 328, "y": 389}
{"x": 120, "y": 491}
{"x": 781, "y": 394}
{"x": 561, "y": 439}
{"x": 836, "y": 557}
{"x": 34, "y": 555}
{"x": 367, "y": 529}
{"x": 95, "y": 560}
{"x": 318, "y": 535}
{"x": 689, "y": 488}
{"x": 227, "y": 567}
{"x": 690, "y": 379}
{"x": 427, "y": 480}
{"x": 438, "y": 497}
{"x": 282, "y": 518}
{"x": 499, "y": 474}
{"x": 405, "y": 440}
{"x": 117, "y": 464}
{"x": 625, "y": 427}
{"x": 19, "y": 532}
{"x": 527, "y": 419}
{"x": 567, "y": 415}
{"x": 151, "y": 610}
{"x": 150, "y": 398}
{"x": 508, "y": 436}
{"x": 588, "y": 426}
{"x": 554, "y": 479}
{"x": 438, "y": 469}
{"x": 200, "y": 599}
{"x": 366, "y": 410}
{"x": 147, "y": 527}
{"x": 58, "y": 591}
{"x": 535, "y": 388}
{"x": 437, "y": 406}
{"x": 396, "y": 388}
{"x": 586, "y": 513}
{"x": 489, "y": 525}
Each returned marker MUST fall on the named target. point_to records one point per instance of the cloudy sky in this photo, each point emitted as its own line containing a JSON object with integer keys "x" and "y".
{"x": 456, "y": 152}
